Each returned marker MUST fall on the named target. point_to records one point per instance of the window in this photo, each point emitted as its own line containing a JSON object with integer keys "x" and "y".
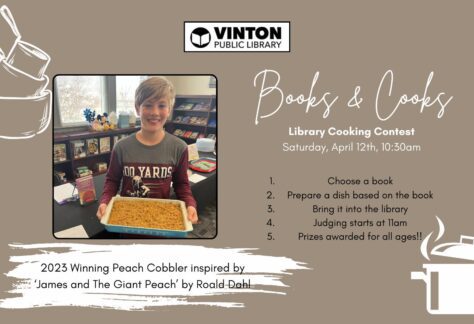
{"x": 212, "y": 81}
{"x": 125, "y": 92}
{"x": 77, "y": 92}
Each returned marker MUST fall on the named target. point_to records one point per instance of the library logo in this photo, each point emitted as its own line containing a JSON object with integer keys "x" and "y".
{"x": 200, "y": 37}
{"x": 207, "y": 36}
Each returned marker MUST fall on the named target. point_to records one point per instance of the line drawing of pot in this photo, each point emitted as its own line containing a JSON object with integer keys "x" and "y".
{"x": 449, "y": 286}
{"x": 25, "y": 103}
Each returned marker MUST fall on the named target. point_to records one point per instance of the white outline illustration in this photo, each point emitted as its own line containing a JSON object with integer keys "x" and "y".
{"x": 24, "y": 100}
{"x": 449, "y": 286}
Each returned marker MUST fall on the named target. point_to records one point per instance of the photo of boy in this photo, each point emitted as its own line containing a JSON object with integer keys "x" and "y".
{"x": 148, "y": 162}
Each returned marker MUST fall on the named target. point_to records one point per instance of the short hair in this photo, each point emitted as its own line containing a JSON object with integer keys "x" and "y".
{"x": 154, "y": 88}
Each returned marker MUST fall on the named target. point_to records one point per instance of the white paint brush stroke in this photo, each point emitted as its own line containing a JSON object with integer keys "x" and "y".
{"x": 264, "y": 272}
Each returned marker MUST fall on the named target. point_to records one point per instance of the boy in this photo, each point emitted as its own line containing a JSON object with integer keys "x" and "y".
{"x": 147, "y": 162}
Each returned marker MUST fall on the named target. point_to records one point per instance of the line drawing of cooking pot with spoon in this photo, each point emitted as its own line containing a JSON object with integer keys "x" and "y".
{"x": 449, "y": 286}
{"x": 25, "y": 103}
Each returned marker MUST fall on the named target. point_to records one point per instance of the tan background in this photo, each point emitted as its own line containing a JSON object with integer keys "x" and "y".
{"x": 351, "y": 44}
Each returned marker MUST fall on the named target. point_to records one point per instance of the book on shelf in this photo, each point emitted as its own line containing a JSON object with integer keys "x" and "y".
{"x": 86, "y": 189}
{"x": 186, "y": 106}
{"x": 59, "y": 152}
{"x": 194, "y": 135}
{"x": 116, "y": 139}
{"x": 92, "y": 146}
{"x": 60, "y": 177}
{"x": 78, "y": 148}
{"x": 104, "y": 143}
{"x": 212, "y": 123}
{"x": 83, "y": 171}
{"x": 119, "y": 137}
{"x": 202, "y": 106}
{"x": 186, "y": 119}
{"x": 201, "y": 121}
{"x": 193, "y": 153}
{"x": 178, "y": 132}
{"x": 178, "y": 119}
{"x": 100, "y": 167}
{"x": 187, "y": 134}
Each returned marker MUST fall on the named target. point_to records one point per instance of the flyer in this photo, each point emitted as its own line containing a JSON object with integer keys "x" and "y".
{"x": 338, "y": 131}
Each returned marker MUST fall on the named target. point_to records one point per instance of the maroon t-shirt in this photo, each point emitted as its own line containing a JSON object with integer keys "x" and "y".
{"x": 148, "y": 171}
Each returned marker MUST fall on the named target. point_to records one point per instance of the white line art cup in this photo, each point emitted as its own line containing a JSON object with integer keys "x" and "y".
{"x": 28, "y": 58}
{"x": 24, "y": 117}
{"x": 16, "y": 83}
{"x": 25, "y": 104}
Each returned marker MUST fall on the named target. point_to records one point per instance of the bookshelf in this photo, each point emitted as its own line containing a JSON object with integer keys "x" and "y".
{"x": 69, "y": 154}
{"x": 193, "y": 116}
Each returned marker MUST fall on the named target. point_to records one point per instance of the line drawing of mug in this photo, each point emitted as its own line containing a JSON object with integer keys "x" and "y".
{"x": 25, "y": 103}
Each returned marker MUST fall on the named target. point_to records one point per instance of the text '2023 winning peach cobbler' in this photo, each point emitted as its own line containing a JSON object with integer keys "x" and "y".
{"x": 147, "y": 214}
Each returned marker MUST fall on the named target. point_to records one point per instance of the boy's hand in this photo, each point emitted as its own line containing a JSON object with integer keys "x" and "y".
{"x": 101, "y": 210}
{"x": 192, "y": 214}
